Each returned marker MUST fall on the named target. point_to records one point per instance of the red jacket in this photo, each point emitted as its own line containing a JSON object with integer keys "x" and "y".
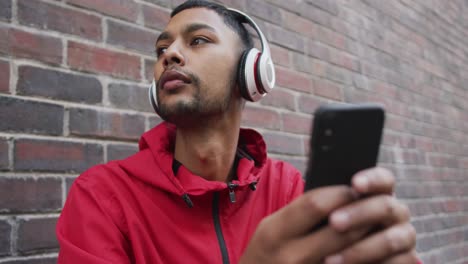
{"x": 137, "y": 211}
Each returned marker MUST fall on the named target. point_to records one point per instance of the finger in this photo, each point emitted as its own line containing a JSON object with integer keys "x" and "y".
{"x": 406, "y": 257}
{"x": 381, "y": 210}
{"x": 378, "y": 247}
{"x": 301, "y": 215}
{"x": 373, "y": 181}
{"x": 300, "y": 250}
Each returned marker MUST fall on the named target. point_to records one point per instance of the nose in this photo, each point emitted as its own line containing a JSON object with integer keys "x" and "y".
{"x": 173, "y": 55}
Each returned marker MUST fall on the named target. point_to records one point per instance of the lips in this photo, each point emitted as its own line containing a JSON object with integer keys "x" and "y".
{"x": 172, "y": 79}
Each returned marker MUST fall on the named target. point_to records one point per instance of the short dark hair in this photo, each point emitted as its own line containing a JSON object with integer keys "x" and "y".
{"x": 231, "y": 19}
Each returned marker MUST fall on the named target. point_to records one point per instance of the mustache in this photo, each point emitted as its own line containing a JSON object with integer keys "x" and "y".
{"x": 193, "y": 77}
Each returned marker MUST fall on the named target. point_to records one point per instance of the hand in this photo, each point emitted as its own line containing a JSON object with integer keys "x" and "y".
{"x": 286, "y": 237}
{"x": 394, "y": 242}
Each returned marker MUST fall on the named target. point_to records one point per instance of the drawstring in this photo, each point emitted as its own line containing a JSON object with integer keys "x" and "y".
{"x": 187, "y": 200}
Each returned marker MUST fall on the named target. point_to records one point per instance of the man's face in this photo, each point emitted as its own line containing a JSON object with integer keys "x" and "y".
{"x": 197, "y": 62}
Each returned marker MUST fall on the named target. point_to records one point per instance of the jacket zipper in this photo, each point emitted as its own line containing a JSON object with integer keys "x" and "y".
{"x": 219, "y": 232}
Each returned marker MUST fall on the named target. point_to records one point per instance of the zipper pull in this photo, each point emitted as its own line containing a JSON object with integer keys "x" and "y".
{"x": 253, "y": 186}
{"x": 187, "y": 200}
{"x": 232, "y": 194}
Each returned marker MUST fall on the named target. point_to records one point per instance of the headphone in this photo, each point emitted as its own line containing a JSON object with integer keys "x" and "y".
{"x": 255, "y": 75}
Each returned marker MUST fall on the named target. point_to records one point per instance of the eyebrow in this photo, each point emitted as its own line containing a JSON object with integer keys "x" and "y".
{"x": 187, "y": 30}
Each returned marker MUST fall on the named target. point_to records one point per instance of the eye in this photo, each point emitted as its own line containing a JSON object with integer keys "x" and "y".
{"x": 160, "y": 50}
{"x": 198, "y": 41}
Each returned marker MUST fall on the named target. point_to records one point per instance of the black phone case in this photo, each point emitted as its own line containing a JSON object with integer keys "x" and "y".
{"x": 345, "y": 139}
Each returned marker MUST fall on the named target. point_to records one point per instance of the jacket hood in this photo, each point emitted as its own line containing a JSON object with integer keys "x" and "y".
{"x": 157, "y": 153}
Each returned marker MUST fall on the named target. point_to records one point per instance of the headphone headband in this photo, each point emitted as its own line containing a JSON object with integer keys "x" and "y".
{"x": 263, "y": 40}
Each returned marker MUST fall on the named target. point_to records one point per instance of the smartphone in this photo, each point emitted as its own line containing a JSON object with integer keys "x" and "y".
{"x": 345, "y": 139}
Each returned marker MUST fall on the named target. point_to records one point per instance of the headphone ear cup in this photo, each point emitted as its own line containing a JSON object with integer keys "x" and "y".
{"x": 247, "y": 75}
{"x": 152, "y": 97}
{"x": 241, "y": 76}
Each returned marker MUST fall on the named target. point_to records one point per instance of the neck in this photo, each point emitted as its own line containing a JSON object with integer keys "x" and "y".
{"x": 208, "y": 149}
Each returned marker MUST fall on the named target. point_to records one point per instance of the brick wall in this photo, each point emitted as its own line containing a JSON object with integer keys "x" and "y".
{"x": 74, "y": 73}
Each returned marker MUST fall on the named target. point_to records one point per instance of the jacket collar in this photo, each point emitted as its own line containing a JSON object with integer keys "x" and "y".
{"x": 161, "y": 142}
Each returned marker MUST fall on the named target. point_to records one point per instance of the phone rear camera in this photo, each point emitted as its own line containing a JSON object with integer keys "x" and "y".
{"x": 325, "y": 148}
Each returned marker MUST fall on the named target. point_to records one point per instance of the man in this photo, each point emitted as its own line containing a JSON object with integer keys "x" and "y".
{"x": 202, "y": 190}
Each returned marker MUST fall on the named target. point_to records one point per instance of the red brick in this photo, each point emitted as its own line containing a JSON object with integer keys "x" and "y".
{"x": 298, "y": 163}
{"x": 68, "y": 183}
{"x": 4, "y": 77}
{"x": 319, "y": 68}
{"x": 284, "y": 144}
{"x": 154, "y": 121}
{"x": 452, "y": 206}
{"x": 134, "y": 97}
{"x": 5, "y": 238}
{"x": 26, "y": 116}
{"x": 338, "y": 74}
{"x": 55, "y": 156}
{"x": 4, "y": 154}
{"x": 285, "y": 38}
{"x": 27, "y": 45}
{"x": 29, "y": 194}
{"x": 328, "y": 6}
{"x": 383, "y": 89}
{"x": 239, "y": 4}
{"x": 299, "y": 24}
{"x": 117, "y": 152}
{"x": 130, "y": 37}
{"x": 280, "y": 55}
{"x": 308, "y": 104}
{"x": 52, "y": 17}
{"x": 386, "y": 155}
{"x": 264, "y": 10}
{"x": 164, "y": 3}
{"x": 328, "y": 90}
{"x": 315, "y": 14}
{"x": 155, "y": 17}
{"x": 127, "y": 10}
{"x": 93, "y": 59}
{"x": 295, "y": 123}
{"x": 464, "y": 163}
{"x": 406, "y": 190}
{"x": 106, "y": 124}
{"x": 373, "y": 71}
{"x": 318, "y": 50}
{"x": 345, "y": 60}
{"x": 438, "y": 160}
{"x": 37, "y": 234}
{"x": 302, "y": 63}
{"x": 394, "y": 123}
{"x": 413, "y": 157}
{"x": 260, "y": 117}
{"x": 149, "y": 69}
{"x": 5, "y": 10}
{"x": 280, "y": 98}
{"x": 424, "y": 144}
{"x": 58, "y": 85}
{"x": 291, "y": 79}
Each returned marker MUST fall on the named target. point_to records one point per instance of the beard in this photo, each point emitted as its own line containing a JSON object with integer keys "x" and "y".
{"x": 200, "y": 106}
